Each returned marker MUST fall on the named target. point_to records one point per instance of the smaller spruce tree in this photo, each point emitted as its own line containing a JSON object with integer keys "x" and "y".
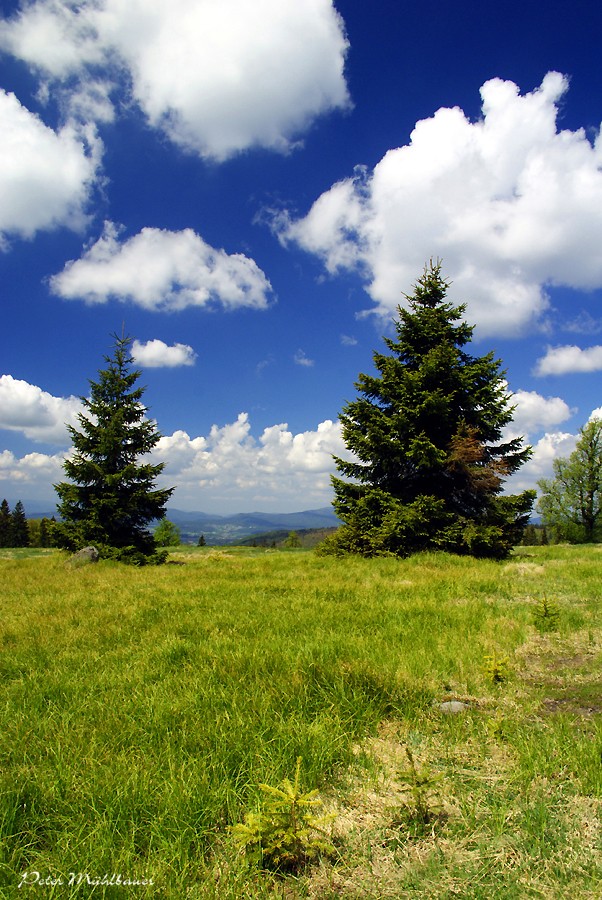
{"x": 111, "y": 498}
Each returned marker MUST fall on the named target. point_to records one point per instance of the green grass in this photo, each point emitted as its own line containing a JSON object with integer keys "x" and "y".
{"x": 140, "y": 709}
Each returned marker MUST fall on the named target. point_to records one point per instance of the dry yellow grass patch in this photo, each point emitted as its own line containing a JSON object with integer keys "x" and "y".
{"x": 520, "y": 569}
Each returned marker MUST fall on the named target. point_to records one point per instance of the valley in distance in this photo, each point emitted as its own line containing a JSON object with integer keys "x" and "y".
{"x": 238, "y": 528}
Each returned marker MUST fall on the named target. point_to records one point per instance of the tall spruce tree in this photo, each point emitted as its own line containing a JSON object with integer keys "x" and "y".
{"x": 425, "y": 433}
{"x": 112, "y": 497}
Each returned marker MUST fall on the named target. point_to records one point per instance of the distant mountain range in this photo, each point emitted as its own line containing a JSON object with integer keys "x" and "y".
{"x": 230, "y": 529}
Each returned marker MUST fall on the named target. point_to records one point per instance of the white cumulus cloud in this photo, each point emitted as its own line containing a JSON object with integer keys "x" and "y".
{"x": 569, "y": 358}
{"x": 536, "y": 419}
{"x": 45, "y": 176}
{"x": 162, "y": 270}
{"x": 225, "y": 471}
{"x": 230, "y": 470}
{"x": 535, "y": 413}
{"x": 510, "y": 203}
{"x": 552, "y": 445}
{"x": 30, "y": 476}
{"x": 158, "y": 354}
{"x": 217, "y": 76}
{"x": 35, "y": 413}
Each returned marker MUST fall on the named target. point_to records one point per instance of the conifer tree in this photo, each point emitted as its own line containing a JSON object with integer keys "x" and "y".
{"x": 19, "y": 529}
{"x": 112, "y": 497}
{"x": 425, "y": 432}
{"x": 44, "y": 535}
{"x": 5, "y": 524}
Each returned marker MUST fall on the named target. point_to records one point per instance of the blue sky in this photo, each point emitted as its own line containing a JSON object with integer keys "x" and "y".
{"x": 250, "y": 189}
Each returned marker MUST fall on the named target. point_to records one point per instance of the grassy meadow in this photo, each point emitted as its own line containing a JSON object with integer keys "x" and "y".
{"x": 140, "y": 709}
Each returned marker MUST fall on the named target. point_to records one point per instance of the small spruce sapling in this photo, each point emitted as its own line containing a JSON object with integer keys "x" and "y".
{"x": 285, "y": 835}
{"x": 420, "y": 782}
{"x": 496, "y": 668}
{"x": 546, "y": 615}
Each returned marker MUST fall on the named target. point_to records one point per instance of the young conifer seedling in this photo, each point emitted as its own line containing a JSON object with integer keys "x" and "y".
{"x": 546, "y": 615}
{"x": 420, "y": 782}
{"x": 496, "y": 668}
{"x": 285, "y": 835}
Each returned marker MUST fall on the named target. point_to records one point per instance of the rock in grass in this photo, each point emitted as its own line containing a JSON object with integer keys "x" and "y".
{"x": 85, "y": 555}
{"x": 453, "y": 706}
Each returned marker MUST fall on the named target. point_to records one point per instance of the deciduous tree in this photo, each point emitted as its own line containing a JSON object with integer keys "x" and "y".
{"x": 167, "y": 534}
{"x": 293, "y": 541}
{"x": 425, "y": 432}
{"x": 571, "y": 502}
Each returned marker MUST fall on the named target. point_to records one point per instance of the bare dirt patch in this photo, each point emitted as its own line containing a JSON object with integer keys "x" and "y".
{"x": 567, "y": 668}
{"x": 571, "y": 705}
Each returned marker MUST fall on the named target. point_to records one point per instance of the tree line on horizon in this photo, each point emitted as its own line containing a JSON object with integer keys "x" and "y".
{"x": 426, "y": 433}
{"x": 16, "y": 530}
